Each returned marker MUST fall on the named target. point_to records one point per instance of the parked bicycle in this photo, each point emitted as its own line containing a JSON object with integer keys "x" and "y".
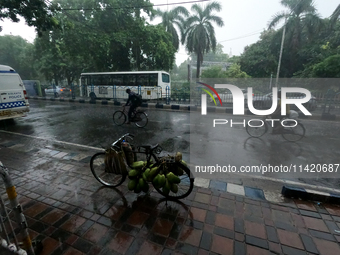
{"x": 292, "y": 130}
{"x": 168, "y": 174}
{"x": 140, "y": 118}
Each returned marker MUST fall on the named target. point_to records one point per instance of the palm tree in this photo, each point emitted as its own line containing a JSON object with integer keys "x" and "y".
{"x": 335, "y": 16}
{"x": 301, "y": 23}
{"x": 301, "y": 18}
{"x": 170, "y": 19}
{"x": 199, "y": 35}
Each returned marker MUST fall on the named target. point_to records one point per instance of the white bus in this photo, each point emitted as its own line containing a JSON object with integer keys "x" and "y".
{"x": 150, "y": 84}
{"x": 13, "y": 95}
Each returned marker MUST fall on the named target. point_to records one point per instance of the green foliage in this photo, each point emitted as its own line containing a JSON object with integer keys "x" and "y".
{"x": 213, "y": 56}
{"x": 235, "y": 71}
{"x": 214, "y": 72}
{"x": 17, "y": 53}
{"x": 35, "y": 12}
{"x": 302, "y": 25}
{"x": 180, "y": 90}
{"x": 326, "y": 45}
{"x": 335, "y": 16}
{"x": 106, "y": 37}
{"x": 180, "y": 73}
{"x": 109, "y": 35}
{"x": 260, "y": 59}
{"x": 305, "y": 44}
{"x": 172, "y": 19}
{"x": 330, "y": 67}
{"x": 158, "y": 51}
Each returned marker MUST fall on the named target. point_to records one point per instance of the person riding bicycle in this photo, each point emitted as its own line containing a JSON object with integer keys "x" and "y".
{"x": 277, "y": 114}
{"x": 133, "y": 98}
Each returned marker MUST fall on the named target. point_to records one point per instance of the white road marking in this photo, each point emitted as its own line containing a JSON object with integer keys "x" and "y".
{"x": 16, "y": 146}
{"x": 52, "y": 140}
{"x": 80, "y": 157}
{"x": 60, "y": 155}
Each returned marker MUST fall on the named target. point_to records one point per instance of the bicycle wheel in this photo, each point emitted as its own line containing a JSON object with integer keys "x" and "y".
{"x": 119, "y": 118}
{"x": 257, "y": 131}
{"x": 99, "y": 171}
{"x": 141, "y": 119}
{"x": 293, "y": 133}
{"x": 186, "y": 184}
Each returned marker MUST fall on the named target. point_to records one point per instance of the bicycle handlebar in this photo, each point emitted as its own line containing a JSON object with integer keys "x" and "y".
{"x": 123, "y": 138}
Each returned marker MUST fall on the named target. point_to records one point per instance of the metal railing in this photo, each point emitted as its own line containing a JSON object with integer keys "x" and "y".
{"x": 11, "y": 245}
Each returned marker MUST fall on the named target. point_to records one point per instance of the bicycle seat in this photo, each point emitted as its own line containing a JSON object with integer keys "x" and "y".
{"x": 148, "y": 146}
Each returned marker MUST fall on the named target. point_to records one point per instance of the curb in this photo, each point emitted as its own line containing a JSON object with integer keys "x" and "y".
{"x": 312, "y": 195}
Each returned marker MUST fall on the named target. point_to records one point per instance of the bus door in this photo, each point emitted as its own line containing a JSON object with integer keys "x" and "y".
{"x": 84, "y": 83}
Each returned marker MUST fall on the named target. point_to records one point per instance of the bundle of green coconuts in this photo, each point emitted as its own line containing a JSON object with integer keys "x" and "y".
{"x": 163, "y": 176}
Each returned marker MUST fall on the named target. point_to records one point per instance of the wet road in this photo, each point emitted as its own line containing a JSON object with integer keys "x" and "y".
{"x": 193, "y": 135}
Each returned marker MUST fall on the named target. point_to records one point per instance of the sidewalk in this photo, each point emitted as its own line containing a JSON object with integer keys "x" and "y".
{"x": 72, "y": 213}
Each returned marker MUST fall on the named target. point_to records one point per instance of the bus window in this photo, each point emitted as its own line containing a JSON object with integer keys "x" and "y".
{"x": 165, "y": 78}
{"x": 105, "y": 80}
{"x": 117, "y": 80}
{"x": 142, "y": 80}
{"x": 153, "y": 79}
{"x": 95, "y": 81}
{"x": 130, "y": 80}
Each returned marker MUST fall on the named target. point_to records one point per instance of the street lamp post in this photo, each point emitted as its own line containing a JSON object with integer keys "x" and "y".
{"x": 271, "y": 79}
{"x": 281, "y": 49}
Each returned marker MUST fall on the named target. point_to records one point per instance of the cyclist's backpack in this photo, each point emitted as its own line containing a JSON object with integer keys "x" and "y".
{"x": 138, "y": 100}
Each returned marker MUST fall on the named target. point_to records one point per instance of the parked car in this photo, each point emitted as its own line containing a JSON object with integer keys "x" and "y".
{"x": 57, "y": 91}
{"x": 265, "y": 101}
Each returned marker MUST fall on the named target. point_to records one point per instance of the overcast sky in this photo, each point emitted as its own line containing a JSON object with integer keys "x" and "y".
{"x": 243, "y": 22}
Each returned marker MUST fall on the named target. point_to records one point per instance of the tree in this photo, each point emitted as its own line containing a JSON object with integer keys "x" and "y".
{"x": 302, "y": 24}
{"x": 101, "y": 36}
{"x": 213, "y": 72}
{"x": 327, "y": 44}
{"x": 180, "y": 73}
{"x": 329, "y": 68}
{"x": 157, "y": 50}
{"x": 35, "y": 12}
{"x": 335, "y": 16}
{"x": 217, "y": 56}
{"x": 50, "y": 57}
{"x": 199, "y": 36}
{"x": 172, "y": 18}
{"x": 260, "y": 59}
{"x": 17, "y": 53}
{"x": 235, "y": 71}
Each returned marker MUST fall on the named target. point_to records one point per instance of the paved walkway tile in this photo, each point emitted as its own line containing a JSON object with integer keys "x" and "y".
{"x": 236, "y": 189}
{"x": 71, "y": 213}
{"x": 254, "y": 193}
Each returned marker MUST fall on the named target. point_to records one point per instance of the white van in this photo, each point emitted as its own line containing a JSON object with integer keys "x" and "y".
{"x": 13, "y": 96}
